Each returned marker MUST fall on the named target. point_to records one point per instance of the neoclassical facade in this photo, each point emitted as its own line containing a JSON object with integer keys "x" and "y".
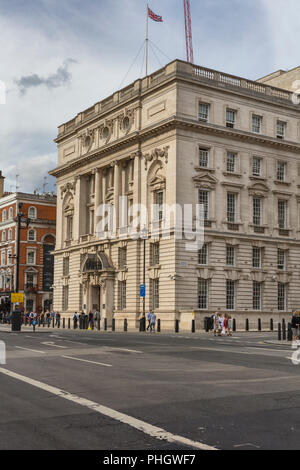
{"x": 185, "y": 135}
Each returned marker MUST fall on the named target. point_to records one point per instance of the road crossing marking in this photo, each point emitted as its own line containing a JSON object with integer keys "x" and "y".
{"x": 85, "y": 360}
{"x": 146, "y": 428}
{"x": 32, "y": 350}
{"x": 54, "y": 345}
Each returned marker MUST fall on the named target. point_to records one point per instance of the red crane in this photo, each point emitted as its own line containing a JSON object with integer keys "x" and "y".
{"x": 188, "y": 31}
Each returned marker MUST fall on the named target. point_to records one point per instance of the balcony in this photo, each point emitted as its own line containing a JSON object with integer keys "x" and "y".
{"x": 31, "y": 288}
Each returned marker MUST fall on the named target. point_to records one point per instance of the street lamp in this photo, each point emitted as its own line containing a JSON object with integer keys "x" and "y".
{"x": 19, "y": 219}
{"x": 144, "y": 236}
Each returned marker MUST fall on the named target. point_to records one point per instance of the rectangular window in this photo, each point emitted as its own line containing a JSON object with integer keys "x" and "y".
{"x": 281, "y": 170}
{"x": 282, "y": 214}
{"x": 9, "y": 257}
{"x": 281, "y": 127}
{"x": 2, "y": 258}
{"x": 257, "y": 203}
{"x": 203, "y": 198}
{"x": 281, "y": 259}
{"x": 203, "y": 255}
{"x": 122, "y": 295}
{"x": 203, "y": 112}
{"x": 122, "y": 257}
{"x": 159, "y": 201}
{"x": 231, "y": 207}
{"x": 66, "y": 266}
{"x": 230, "y": 255}
{"x": 203, "y": 294}
{"x": 231, "y": 162}
{"x": 256, "y": 171}
{"x": 65, "y": 299}
{"x": 31, "y": 257}
{"x": 256, "y": 257}
{"x": 256, "y": 124}
{"x": 154, "y": 293}
{"x": 230, "y": 118}
{"x": 281, "y": 297}
{"x": 230, "y": 295}
{"x": 69, "y": 228}
{"x": 257, "y": 291}
{"x": 154, "y": 254}
{"x": 203, "y": 158}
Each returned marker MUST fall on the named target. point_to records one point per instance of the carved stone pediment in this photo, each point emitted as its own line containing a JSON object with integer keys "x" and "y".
{"x": 258, "y": 189}
{"x": 205, "y": 273}
{"x": 156, "y": 154}
{"x": 205, "y": 180}
{"x": 126, "y": 120}
{"x": 70, "y": 186}
{"x": 106, "y": 130}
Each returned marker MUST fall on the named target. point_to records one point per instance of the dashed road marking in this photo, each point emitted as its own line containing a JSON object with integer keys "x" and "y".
{"x": 31, "y": 350}
{"x": 85, "y": 360}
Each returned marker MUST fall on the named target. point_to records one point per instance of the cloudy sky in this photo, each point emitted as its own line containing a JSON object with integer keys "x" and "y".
{"x": 58, "y": 57}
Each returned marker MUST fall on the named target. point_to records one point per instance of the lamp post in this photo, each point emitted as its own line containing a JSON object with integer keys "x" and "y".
{"x": 144, "y": 236}
{"x": 19, "y": 219}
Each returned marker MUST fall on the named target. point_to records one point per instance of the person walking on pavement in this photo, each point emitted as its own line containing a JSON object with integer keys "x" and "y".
{"x": 57, "y": 319}
{"x": 98, "y": 317}
{"x": 295, "y": 325}
{"x": 149, "y": 321}
{"x": 152, "y": 321}
{"x": 91, "y": 320}
{"x": 216, "y": 323}
{"x": 75, "y": 319}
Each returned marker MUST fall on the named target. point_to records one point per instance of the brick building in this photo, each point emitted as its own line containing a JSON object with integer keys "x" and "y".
{"x": 37, "y": 241}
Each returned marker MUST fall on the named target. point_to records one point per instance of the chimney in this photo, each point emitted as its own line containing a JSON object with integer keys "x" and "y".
{"x": 2, "y": 178}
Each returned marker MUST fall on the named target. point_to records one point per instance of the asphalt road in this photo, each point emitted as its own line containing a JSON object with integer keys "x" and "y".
{"x": 122, "y": 389}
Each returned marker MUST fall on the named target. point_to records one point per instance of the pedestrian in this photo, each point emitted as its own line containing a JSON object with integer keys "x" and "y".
{"x": 226, "y": 325}
{"x": 295, "y": 325}
{"x": 75, "y": 320}
{"x": 82, "y": 321}
{"x": 149, "y": 321}
{"x": 216, "y": 323}
{"x": 98, "y": 317}
{"x": 48, "y": 318}
{"x": 91, "y": 320}
{"x": 31, "y": 318}
{"x": 152, "y": 322}
{"x": 221, "y": 330}
{"x": 57, "y": 319}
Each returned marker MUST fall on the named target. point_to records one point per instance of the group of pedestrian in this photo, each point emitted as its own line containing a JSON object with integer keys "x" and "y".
{"x": 151, "y": 318}
{"x": 86, "y": 321}
{"x": 222, "y": 324}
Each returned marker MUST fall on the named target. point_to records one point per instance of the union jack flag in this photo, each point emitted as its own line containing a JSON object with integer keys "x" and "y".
{"x": 154, "y": 17}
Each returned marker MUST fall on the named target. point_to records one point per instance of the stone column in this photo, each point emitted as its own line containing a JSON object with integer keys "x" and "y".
{"x": 98, "y": 198}
{"x": 116, "y": 191}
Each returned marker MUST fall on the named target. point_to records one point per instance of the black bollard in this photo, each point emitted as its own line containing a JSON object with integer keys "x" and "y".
{"x": 39, "y": 322}
{"x": 279, "y": 331}
{"x": 176, "y": 326}
{"x": 105, "y": 324}
{"x": 193, "y": 326}
{"x": 98, "y": 324}
{"x": 69, "y": 323}
{"x": 259, "y": 324}
{"x": 158, "y": 326}
{"x": 271, "y": 325}
{"x": 290, "y": 333}
{"x": 53, "y": 323}
{"x": 247, "y": 324}
{"x": 284, "y": 331}
{"x": 64, "y": 323}
{"x": 125, "y": 324}
{"x": 234, "y": 325}
{"x": 113, "y": 327}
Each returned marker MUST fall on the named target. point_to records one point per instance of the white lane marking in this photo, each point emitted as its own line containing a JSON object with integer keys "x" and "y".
{"x": 31, "y": 350}
{"x": 54, "y": 345}
{"x": 75, "y": 342}
{"x": 85, "y": 360}
{"x": 146, "y": 428}
{"x": 123, "y": 349}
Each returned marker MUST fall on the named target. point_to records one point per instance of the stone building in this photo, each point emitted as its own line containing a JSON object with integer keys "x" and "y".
{"x": 37, "y": 242}
{"x": 183, "y": 135}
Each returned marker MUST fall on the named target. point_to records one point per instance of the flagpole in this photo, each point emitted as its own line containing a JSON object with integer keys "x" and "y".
{"x": 147, "y": 38}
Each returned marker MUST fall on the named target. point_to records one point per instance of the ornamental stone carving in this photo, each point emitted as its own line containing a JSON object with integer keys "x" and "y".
{"x": 87, "y": 138}
{"x": 156, "y": 154}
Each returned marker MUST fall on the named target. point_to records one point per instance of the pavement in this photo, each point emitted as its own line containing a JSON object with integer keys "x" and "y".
{"x": 74, "y": 390}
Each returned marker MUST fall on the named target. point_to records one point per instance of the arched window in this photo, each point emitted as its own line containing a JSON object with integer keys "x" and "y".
{"x": 10, "y": 234}
{"x": 32, "y": 213}
{"x": 4, "y": 215}
{"x": 3, "y": 236}
{"x": 31, "y": 235}
{"x": 11, "y": 213}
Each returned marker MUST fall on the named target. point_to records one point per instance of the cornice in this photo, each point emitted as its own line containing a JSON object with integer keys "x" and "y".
{"x": 165, "y": 126}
